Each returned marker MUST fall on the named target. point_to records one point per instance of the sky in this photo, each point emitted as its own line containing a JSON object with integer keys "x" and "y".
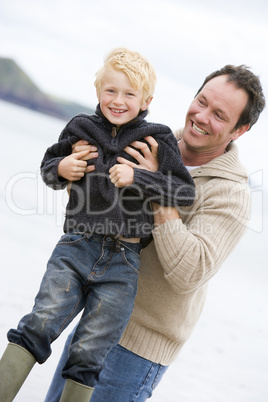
{"x": 61, "y": 44}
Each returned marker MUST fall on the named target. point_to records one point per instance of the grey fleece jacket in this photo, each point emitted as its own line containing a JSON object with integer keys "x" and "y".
{"x": 95, "y": 204}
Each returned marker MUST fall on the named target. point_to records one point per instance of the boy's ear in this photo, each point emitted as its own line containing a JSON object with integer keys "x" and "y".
{"x": 146, "y": 103}
{"x": 98, "y": 95}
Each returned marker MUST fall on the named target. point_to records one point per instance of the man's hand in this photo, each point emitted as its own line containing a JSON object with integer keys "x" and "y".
{"x": 73, "y": 167}
{"x": 164, "y": 214}
{"x": 147, "y": 160}
{"x": 121, "y": 175}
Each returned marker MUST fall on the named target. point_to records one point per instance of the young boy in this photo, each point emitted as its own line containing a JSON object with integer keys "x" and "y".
{"x": 94, "y": 267}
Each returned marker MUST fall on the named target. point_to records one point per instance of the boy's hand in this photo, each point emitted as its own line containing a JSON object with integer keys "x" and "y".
{"x": 121, "y": 175}
{"x": 83, "y": 145}
{"x": 73, "y": 167}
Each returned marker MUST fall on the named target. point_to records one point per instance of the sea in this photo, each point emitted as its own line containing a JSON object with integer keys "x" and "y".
{"x": 226, "y": 358}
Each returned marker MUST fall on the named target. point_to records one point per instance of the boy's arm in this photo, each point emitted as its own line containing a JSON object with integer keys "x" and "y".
{"x": 59, "y": 166}
{"x": 51, "y": 160}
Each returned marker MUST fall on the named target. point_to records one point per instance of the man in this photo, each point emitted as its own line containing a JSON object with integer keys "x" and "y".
{"x": 190, "y": 243}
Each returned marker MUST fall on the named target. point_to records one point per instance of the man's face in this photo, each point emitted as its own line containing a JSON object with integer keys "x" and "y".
{"x": 212, "y": 116}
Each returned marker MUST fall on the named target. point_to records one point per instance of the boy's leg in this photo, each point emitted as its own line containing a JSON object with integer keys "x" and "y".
{"x": 58, "y": 382}
{"x": 125, "y": 377}
{"x": 58, "y": 301}
{"x": 15, "y": 365}
{"x": 75, "y": 392}
{"x": 112, "y": 290}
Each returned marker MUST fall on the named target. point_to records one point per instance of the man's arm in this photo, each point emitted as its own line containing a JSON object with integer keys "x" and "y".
{"x": 164, "y": 214}
{"x": 192, "y": 249}
{"x": 160, "y": 173}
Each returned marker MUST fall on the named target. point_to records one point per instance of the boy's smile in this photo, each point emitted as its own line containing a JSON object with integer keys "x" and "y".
{"x": 119, "y": 101}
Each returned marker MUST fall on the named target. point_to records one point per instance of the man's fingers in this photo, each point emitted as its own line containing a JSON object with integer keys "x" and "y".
{"x": 154, "y": 145}
{"x": 133, "y": 152}
{"x": 126, "y": 161}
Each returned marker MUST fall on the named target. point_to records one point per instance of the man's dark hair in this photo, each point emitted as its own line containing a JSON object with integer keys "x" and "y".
{"x": 243, "y": 78}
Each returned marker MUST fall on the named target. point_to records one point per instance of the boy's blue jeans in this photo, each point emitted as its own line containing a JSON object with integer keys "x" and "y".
{"x": 126, "y": 377}
{"x": 92, "y": 272}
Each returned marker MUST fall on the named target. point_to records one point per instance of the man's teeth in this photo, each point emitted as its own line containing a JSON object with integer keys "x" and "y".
{"x": 199, "y": 130}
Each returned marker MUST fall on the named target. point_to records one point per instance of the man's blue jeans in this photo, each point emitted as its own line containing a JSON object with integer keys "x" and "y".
{"x": 96, "y": 273}
{"x": 126, "y": 377}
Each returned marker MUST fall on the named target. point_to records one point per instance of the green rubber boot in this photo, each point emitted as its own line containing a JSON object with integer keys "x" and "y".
{"x": 74, "y": 392}
{"x": 15, "y": 365}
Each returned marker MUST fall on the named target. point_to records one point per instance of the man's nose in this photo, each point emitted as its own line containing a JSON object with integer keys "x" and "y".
{"x": 203, "y": 116}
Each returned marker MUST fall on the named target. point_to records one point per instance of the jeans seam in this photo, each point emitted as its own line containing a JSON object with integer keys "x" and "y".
{"x": 145, "y": 382}
{"x": 155, "y": 382}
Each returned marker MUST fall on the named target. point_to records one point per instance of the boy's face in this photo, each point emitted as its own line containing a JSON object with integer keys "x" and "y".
{"x": 119, "y": 101}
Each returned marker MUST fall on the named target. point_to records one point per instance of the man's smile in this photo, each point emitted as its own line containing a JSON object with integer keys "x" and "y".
{"x": 199, "y": 130}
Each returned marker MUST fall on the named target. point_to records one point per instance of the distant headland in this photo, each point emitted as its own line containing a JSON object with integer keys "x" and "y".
{"x": 18, "y": 88}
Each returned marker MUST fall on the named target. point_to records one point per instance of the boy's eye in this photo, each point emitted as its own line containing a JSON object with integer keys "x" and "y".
{"x": 130, "y": 94}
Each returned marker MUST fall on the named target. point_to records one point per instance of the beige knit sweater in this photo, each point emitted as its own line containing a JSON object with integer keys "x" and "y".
{"x": 186, "y": 253}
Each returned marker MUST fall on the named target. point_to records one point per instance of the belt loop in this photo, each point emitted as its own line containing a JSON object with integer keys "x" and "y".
{"x": 117, "y": 247}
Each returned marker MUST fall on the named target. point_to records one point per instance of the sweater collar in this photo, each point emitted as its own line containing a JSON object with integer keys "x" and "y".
{"x": 141, "y": 116}
{"x": 227, "y": 166}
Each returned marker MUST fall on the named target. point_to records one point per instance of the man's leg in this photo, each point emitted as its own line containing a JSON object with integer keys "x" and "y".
{"x": 125, "y": 377}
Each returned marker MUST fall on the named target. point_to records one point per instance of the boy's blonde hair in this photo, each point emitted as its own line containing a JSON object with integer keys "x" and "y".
{"x": 139, "y": 70}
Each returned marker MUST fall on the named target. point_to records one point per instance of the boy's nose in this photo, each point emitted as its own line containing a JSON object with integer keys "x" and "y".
{"x": 118, "y": 100}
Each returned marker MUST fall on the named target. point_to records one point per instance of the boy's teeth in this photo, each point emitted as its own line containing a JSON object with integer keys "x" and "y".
{"x": 199, "y": 130}
{"x": 117, "y": 111}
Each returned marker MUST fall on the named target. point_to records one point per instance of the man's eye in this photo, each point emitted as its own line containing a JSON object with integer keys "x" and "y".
{"x": 219, "y": 116}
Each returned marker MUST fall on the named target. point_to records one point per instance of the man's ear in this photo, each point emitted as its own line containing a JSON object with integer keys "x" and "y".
{"x": 241, "y": 130}
{"x": 146, "y": 103}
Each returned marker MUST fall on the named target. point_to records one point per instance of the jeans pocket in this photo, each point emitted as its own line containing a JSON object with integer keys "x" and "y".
{"x": 70, "y": 238}
{"x": 132, "y": 259}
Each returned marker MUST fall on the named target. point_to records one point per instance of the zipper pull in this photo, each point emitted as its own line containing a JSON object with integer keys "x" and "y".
{"x": 114, "y": 132}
